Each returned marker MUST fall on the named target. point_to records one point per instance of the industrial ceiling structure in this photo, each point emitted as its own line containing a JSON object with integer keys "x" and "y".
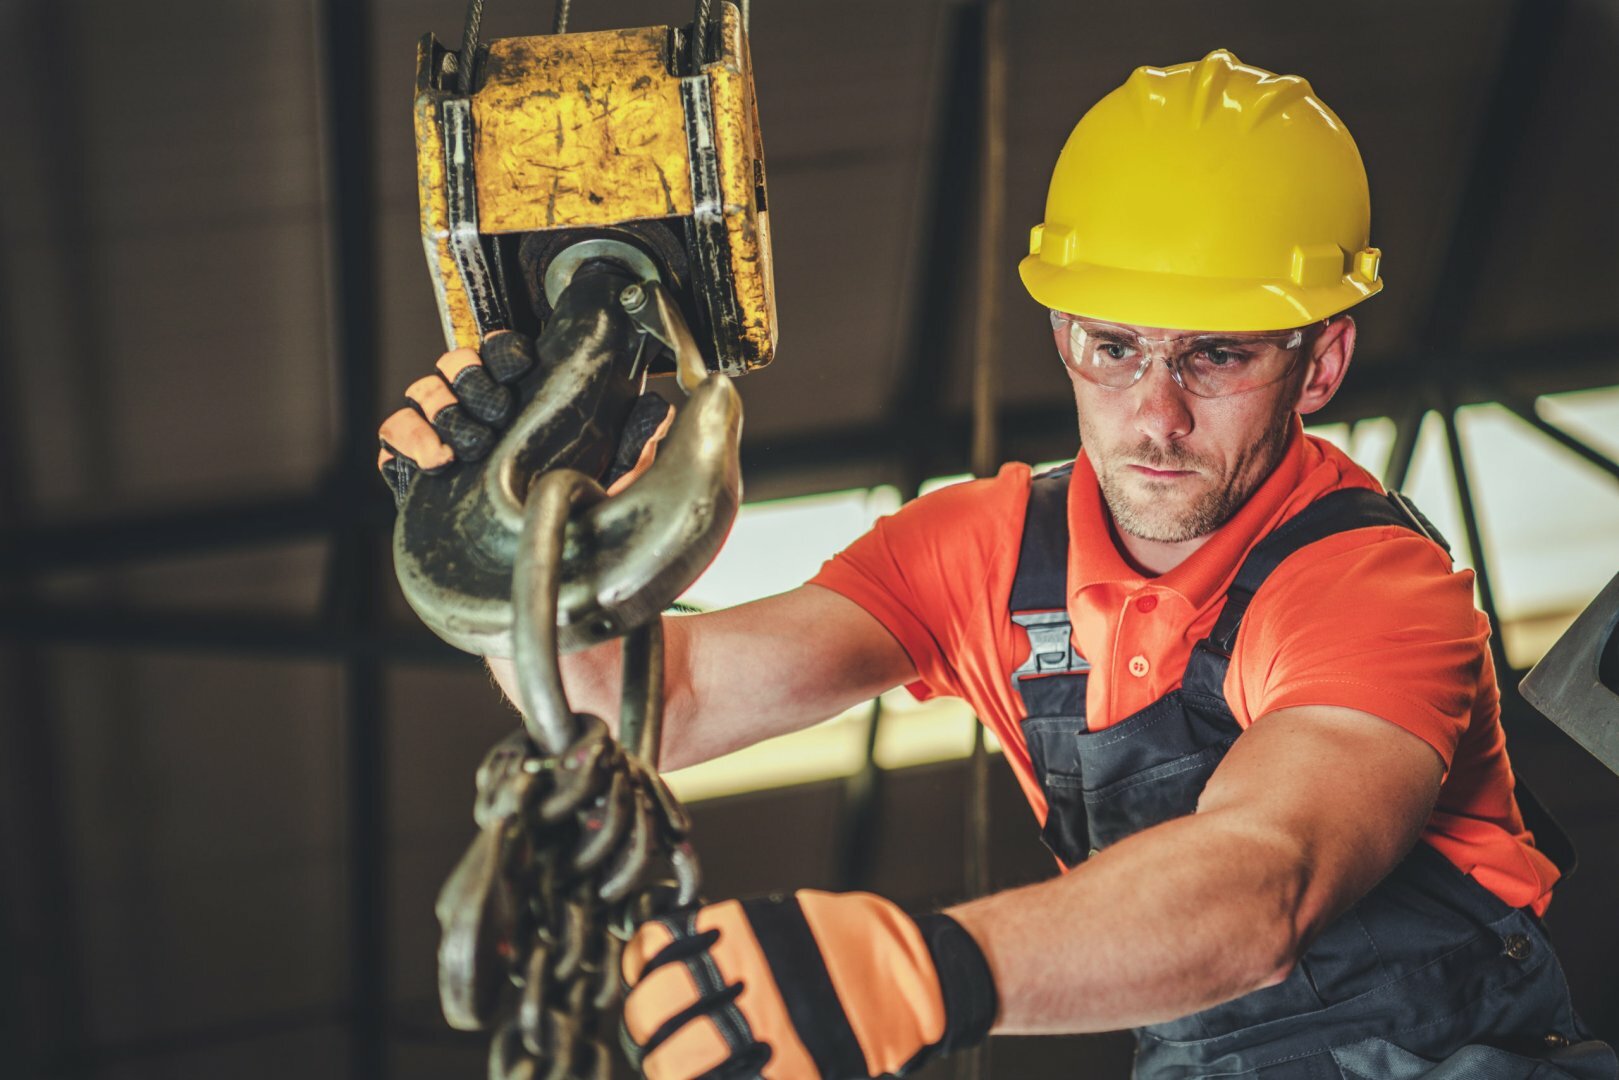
{"x": 233, "y": 768}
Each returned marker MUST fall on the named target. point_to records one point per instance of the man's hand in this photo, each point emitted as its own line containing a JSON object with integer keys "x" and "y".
{"x": 458, "y": 412}
{"x": 834, "y": 985}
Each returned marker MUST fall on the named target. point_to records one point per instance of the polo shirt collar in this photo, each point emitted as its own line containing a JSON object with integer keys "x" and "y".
{"x": 1094, "y": 557}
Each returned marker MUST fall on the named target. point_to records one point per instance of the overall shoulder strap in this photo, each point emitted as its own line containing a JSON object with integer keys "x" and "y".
{"x": 1333, "y": 513}
{"x": 1336, "y": 512}
{"x": 1041, "y": 581}
{"x": 1051, "y": 681}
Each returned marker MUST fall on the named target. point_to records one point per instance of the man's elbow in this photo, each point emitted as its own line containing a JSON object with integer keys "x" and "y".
{"x": 1286, "y": 932}
{"x": 1279, "y": 974}
{"x": 1276, "y": 952}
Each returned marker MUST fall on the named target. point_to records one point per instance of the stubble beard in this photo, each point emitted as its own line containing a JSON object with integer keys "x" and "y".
{"x": 1147, "y": 518}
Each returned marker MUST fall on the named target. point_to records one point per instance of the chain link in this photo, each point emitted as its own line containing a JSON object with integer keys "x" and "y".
{"x": 580, "y": 841}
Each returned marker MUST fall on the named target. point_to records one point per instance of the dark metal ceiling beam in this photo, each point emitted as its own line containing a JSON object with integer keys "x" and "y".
{"x": 163, "y": 534}
{"x": 1528, "y": 40}
{"x": 1407, "y": 429}
{"x": 270, "y": 637}
{"x": 46, "y": 1030}
{"x": 1386, "y": 388}
{"x": 1530, "y": 36}
{"x": 944, "y": 244}
{"x": 354, "y": 598}
{"x": 1524, "y": 409}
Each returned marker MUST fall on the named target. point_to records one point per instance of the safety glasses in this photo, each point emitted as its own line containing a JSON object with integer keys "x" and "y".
{"x": 1208, "y": 365}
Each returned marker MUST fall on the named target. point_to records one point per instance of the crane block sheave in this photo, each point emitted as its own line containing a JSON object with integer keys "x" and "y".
{"x": 646, "y": 136}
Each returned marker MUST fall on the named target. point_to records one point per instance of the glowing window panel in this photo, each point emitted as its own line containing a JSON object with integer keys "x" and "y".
{"x": 1549, "y": 519}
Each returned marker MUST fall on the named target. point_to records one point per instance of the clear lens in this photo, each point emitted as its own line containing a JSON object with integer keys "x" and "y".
{"x": 1208, "y": 365}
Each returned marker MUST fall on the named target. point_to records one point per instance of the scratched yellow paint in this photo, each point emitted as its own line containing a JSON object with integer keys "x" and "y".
{"x": 579, "y": 130}
{"x": 588, "y": 130}
{"x": 455, "y": 307}
{"x": 740, "y": 152}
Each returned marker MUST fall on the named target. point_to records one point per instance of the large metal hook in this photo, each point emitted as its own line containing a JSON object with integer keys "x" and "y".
{"x": 623, "y": 560}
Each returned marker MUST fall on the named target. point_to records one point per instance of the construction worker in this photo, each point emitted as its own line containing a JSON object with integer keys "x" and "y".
{"x": 1244, "y": 691}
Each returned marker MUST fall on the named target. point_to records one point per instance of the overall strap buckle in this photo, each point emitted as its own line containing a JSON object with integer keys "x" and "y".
{"x": 1051, "y": 649}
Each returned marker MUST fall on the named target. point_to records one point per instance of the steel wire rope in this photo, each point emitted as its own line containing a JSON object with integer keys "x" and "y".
{"x": 699, "y": 34}
{"x": 985, "y": 430}
{"x": 984, "y": 427}
{"x": 469, "y": 46}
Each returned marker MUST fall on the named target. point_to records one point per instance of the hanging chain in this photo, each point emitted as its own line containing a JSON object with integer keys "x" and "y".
{"x": 580, "y": 840}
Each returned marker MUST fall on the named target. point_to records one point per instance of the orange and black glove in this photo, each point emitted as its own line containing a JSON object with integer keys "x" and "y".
{"x": 458, "y": 413}
{"x": 813, "y": 985}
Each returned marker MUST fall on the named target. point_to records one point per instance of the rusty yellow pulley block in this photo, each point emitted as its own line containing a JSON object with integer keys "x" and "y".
{"x": 645, "y": 139}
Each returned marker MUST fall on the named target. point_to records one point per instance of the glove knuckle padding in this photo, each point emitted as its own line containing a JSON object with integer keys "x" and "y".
{"x": 725, "y": 989}
{"x": 741, "y": 960}
{"x": 666, "y": 991}
{"x": 471, "y": 440}
{"x": 411, "y": 437}
{"x": 696, "y": 1047}
{"x": 476, "y": 390}
{"x": 508, "y": 355}
{"x": 431, "y": 394}
{"x": 649, "y": 941}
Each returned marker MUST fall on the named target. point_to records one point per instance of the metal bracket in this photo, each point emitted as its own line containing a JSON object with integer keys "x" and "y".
{"x": 1576, "y": 684}
{"x": 466, "y": 244}
{"x": 1418, "y": 521}
{"x": 713, "y": 245}
{"x": 654, "y": 310}
{"x": 1051, "y": 649}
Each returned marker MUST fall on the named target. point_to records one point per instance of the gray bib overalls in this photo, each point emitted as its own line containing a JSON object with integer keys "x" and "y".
{"x": 1429, "y": 975}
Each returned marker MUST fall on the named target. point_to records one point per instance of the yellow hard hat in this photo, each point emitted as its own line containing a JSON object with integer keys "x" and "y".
{"x": 1206, "y": 196}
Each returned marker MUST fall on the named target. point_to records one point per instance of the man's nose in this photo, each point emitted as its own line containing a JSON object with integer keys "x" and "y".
{"x": 1162, "y": 412}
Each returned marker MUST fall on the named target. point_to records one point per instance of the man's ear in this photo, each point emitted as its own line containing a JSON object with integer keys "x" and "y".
{"x": 1327, "y": 362}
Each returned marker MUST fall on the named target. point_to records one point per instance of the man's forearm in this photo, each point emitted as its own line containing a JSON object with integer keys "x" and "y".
{"x": 593, "y": 681}
{"x": 1170, "y": 921}
{"x": 738, "y": 675}
{"x": 1310, "y": 809}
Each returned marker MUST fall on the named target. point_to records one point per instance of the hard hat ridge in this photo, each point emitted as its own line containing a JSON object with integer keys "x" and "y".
{"x": 1207, "y": 195}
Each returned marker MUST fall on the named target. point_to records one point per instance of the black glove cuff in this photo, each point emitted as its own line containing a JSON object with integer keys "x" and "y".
{"x": 970, "y": 1000}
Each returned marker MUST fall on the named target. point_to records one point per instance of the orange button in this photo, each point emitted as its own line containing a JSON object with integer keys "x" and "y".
{"x": 1146, "y": 604}
{"x": 1138, "y": 666}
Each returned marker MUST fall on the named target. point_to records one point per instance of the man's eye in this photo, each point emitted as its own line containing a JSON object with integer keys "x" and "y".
{"x": 1222, "y": 358}
{"x": 1113, "y": 350}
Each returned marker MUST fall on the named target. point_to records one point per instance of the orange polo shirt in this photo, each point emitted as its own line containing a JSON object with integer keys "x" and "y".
{"x": 1373, "y": 619}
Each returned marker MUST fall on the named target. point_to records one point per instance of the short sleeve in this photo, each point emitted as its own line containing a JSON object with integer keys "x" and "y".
{"x": 1374, "y": 620}
{"x": 927, "y": 572}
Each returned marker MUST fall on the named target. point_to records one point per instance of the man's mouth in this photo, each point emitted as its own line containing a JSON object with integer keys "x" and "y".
{"x": 1160, "y": 474}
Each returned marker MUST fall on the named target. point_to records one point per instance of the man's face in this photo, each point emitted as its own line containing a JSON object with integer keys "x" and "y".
{"x": 1173, "y": 466}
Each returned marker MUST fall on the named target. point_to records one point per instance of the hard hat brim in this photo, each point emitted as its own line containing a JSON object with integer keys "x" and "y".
{"x": 1181, "y": 302}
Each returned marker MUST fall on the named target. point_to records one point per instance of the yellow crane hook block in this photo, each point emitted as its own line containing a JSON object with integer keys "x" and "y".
{"x": 619, "y": 135}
